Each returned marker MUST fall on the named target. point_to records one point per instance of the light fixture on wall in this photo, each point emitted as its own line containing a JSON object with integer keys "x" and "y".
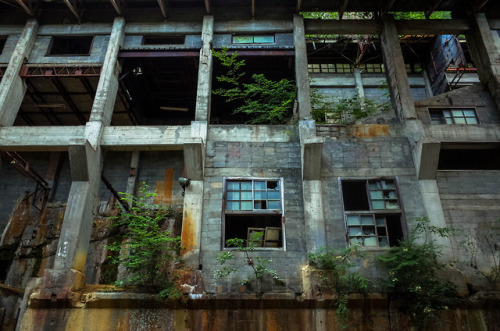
{"x": 184, "y": 182}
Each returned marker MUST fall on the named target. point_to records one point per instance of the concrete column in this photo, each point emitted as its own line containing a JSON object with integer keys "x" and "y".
{"x": 132, "y": 178}
{"x": 105, "y": 96}
{"x": 395, "y": 69}
{"x": 204, "y": 92}
{"x": 191, "y": 224}
{"x": 485, "y": 55}
{"x": 359, "y": 83}
{"x": 12, "y": 87}
{"x": 301, "y": 72}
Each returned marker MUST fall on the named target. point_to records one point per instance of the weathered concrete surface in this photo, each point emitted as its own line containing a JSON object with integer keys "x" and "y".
{"x": 191, "y": 224}
{"x": 301, "y": 71}
{"x": 12, "y": 87}
{"x": 204, "y": 92}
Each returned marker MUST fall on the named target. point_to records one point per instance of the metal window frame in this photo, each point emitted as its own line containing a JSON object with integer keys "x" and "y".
{"x": 372, "y": 211}
{"x": 440, "y": 110}
{"x": 253, "y": 212}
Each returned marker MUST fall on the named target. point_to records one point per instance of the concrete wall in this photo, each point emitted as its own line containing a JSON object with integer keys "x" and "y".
{"x": 135, "y": 42}
{"x": 8, "y": 48}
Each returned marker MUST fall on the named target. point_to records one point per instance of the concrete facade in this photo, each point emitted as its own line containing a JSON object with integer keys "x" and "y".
{"x": 94, "y": 142}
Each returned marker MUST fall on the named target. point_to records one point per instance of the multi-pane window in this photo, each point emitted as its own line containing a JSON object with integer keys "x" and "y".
{"x": 372, "y": 212}
{"x": 253, "y": 39}
{"x": 329, "y": 68}
{"x": 254, "y": 205}
{"x": 453, "y": 116}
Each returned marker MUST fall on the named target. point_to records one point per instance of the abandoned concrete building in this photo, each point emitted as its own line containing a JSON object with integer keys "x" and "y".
{"x": 99, "y": 96}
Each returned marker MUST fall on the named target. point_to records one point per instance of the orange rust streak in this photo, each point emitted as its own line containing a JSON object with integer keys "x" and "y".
{"x": 165, "y": 188}
{"x": 370, "y": 130}
{"x": 188, "y": 233}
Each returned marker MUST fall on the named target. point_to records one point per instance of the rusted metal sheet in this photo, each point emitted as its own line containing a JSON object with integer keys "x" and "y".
{"x": 60, "y": 71}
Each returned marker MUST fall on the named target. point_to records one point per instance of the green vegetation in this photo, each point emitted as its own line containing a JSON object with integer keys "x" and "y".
{"x": 413, "y": 268}
{"x": 151, "y": 251}
{"x": 259, "y": 265}
{"x": 333, "y": 267}
{"x": 265, "y": 101}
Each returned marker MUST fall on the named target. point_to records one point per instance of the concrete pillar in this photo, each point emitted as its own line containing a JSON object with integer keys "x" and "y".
{"x": 485, "y": 54}
{"x": 132, "y": 178}
{"x": 359, "y": 83}
{"x": 395, "y": 69}
{"x": 105, "y": 96}
{"x": 12, "y": 87}
{"x": 191, "y": 224}
{"x": 301, "y": 71}
{"x": 204, "y": 92}
{"x": 426, "y": 156}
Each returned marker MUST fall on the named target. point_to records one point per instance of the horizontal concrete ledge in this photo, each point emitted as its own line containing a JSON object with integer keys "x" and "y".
{"x": 253, "y": 133}
{"x": 166, "y": 27}
{"x": 142, "y": 138}
{"x": 460, "y": 133}
{"x": 75, "y": 29}
{"x": 11, "y": 29}
{"x": 28, "y": 138}
{"x": 253, "y": 26}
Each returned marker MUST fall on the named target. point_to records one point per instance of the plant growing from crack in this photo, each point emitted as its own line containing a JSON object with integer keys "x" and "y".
{"x": 412, "y": 274}
{"x": 266, "y": 101}
{"x": 151, "y": 250}
{"x": 259, "y": 265}
{"x": 333, "y": 268}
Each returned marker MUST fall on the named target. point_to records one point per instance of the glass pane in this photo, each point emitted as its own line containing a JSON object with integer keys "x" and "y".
{"x": 247, "y": 186}
{"x": 380, "y": 220}
{"x": 246, "y": 195}
{"x": 371, "y": 241}
{"x": 387, "y": 184}
{"x": 448, "y": 120}
{"x": 471, "y": 120}
{"x": 378, "y": 204}
{"x": 446, "y": 113}
{"x": 263, "y": 39}
{"x": 259, "y": 185}
{"x": 391, "y": 205}
{"x": 469, "y": 113}
{"x": 456, "y": 113}
{"x": 390, "y": 194}
{"x": 258, "y": 205}
{"x": 375, "y": 186}
{"x": 233, "y": 205}
{"x": 273, "y": 204}
{"x": 274, "y": 195}
{"x": 459, "y": 120}
{"x": 367, "y": 220}
{"x": 353, "y": 220}
{"x": 233, "y": 186}
{"x": 233, "y": 195}
{"x": 382, "y": 242}
{"x": 355, "y": 231}
{"x": 246, "y": 205}
{"x": 260, "y": 195}
{"x": 376, "y": 194}
{"x": 369, "y": 230}
{"x": 355, "y": 241}
{"x": 242, "y": 39}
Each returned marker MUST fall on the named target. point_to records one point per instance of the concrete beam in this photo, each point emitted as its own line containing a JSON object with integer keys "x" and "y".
{"x": 494, "y": 24}
{"x": 253, "y": 26}
{"x": 312, "y": 149}
{"x": 191, "y": 225}
{"x": 301, "y": 71}
{"x": 78, "y": 152}
{"x": 130, "y": 138}
{"x": 105, "y": 96}
{"x": 194, "y": 157}
{"x": 6, "y": 30}
{"x": 426, "y": 156}
{"x": 163, "y": 28}
{"x": 85, "y": 29}
{"x": 12, "y": 87}
{"x": 314, "y": 215}
{"x": 204, "y": 91}
{"x": 397, "y": 78}
{"x": 19, "y": 138}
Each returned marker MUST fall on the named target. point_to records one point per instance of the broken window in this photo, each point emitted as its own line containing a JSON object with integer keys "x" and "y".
{"x": 70, "y": 45}
{"x": 453, "y": 116}
{"x": 163, "y": 40}
{"x": 251, "y": 206}
{"x": 253, "y": 39}
{"x": 372, "y": 212}
{"x": 457, "y": 156}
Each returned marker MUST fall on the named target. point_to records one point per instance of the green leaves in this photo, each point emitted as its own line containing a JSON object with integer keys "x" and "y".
{"x": 265, "y": 101}
{"x": 150, "y": 249}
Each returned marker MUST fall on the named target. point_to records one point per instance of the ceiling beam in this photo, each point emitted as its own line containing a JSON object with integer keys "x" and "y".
{"x": 432, "y": 7}
{"x": 163, "y": 7}
{"x": 299, "y": 5}
{"x": 390, "y": 3}
{"x": 117, "y": 5}
{"x": 342, "y": 8}
{"x": 207, "y": 6}
{"x": 27, "y": 8}
{"x": 71, "y": 4}
{"x": 479, "y": 5}
{"x": 253, "y": 9}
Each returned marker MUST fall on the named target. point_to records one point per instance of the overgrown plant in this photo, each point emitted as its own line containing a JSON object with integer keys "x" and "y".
{"x": 150, "y": 249}
{"x": 259, "y": 265}
{"x": 334, "y": 271}
{"x": 265, "y": 101}
{"x": 344, "y": 111}
{"x": 486, "y": 244}
{"x": 412, "y": 267}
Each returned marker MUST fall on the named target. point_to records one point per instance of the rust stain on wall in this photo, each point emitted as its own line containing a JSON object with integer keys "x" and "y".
{"x": 165, "y": 188}
{"x": 19, "y": 219}
{"x": 370, "y": 130}
{"x": 188, "y": 238}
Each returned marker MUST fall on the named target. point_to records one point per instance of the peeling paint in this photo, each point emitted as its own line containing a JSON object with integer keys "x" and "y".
{"x": 370, "y": 130}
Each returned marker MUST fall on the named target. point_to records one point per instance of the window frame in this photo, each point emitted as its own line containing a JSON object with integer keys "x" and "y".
{"x": 254, "y": 212}
{"x": 374, "y": 212}
{"x": 440, "y": 112}
{"x": 253, "y": 39}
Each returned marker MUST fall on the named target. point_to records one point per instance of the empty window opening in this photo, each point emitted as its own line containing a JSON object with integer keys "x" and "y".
{"x": 469, "y": 157}
{"x": 372, "y": 212}
{"x": 160, "y": 90}
{"x": 163, "y": 40}
{"x": 254, "y": 207}
{"x": 253, "y": 39}
{"x": 453, "y": 116}
{"x": 74, "y": 45}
